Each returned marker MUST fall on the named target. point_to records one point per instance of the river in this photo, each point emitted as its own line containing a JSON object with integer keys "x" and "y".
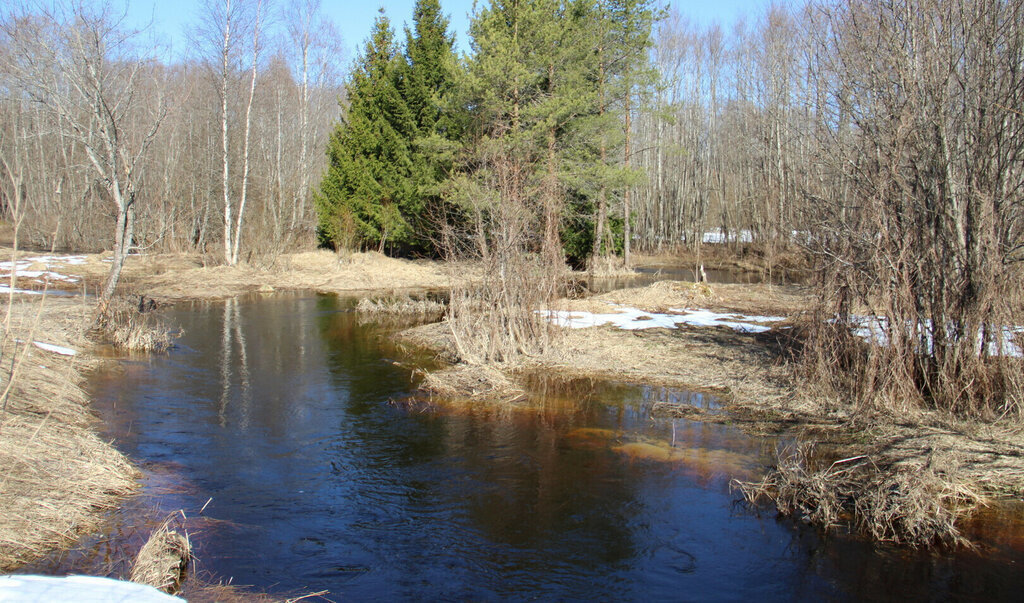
{"x": 278, "y": 427}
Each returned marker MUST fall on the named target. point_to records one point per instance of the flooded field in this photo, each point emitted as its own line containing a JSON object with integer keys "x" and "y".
{"x": 279, "y": 429}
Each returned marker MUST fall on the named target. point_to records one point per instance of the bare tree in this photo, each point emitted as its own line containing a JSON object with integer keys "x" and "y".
{"x": 82, "y": 64}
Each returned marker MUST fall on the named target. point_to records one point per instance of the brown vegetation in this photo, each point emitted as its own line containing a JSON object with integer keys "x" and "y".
{"x": 918, "y": 501}
{"x": 467, "y": 381}
{"x": 163, "y": 561}
{"x": 170, "y": 277}
{"x": 130, "y": 323}
{"x": 917, "y": 477}
{"x": 57, "y": 474}
{"x": 401, "y": 305}
{"x": 925, "y": 232}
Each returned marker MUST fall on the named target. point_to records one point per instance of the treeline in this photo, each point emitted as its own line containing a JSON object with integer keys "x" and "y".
{"x": 530, "y": 131}
{"x": 98, "y": 134}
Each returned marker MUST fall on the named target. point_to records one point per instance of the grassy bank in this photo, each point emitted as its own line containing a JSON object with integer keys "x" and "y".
{"x": 58, "y": 474}
{"x": 178, "y": 277}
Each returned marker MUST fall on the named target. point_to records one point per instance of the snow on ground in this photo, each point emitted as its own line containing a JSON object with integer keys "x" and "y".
{"x": 875, "y": 330}
{"x": 736, "y": 236}
{"x": 49, "y": 261}
{"x": 56, "y": 349}
{"x": 632, "y": 319}
{"x": 4, "y": 289}
{"x": 82, "y": 589}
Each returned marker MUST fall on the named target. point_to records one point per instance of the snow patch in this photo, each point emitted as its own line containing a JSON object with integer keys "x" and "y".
{"x": 33, "y": 589}
{"x": 875, "y": 330}
{"x": 23, "y": 264}
{"x": 632, "y": 319}
{"x": 56, "y": 349}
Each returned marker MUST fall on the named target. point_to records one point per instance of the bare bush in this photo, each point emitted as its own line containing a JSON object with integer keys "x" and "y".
{"x": 497, "y": 319}
{"x": 918, "y": 245}
{"x": 917, "y": 504}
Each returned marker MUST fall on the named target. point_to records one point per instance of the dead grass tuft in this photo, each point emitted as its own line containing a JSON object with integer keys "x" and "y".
{"x": 129, "y": 323}
{"x": 917, "y": 502}
{"x": 466, "y": 381}
{"x": 401, "y": 305}
{"x": 163, "y": 561}
{"x": 609, "y": 266}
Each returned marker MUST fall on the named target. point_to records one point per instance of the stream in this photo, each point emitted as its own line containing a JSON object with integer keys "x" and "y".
{"x": 277, "y": 429}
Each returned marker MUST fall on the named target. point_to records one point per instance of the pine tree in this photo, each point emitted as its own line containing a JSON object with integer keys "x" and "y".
{"x": 367, "y": 191}
{"x": 529, "y": 82}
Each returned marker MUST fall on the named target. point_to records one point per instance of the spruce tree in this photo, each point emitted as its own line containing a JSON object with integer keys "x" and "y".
{"x": 429, "y": 79}
{"x": 367, "y": 192}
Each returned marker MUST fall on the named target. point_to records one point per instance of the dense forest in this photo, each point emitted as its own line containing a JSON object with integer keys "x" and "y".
{"x": 880, "y": 140}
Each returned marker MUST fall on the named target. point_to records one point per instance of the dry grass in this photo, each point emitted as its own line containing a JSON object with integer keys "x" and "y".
{"x": 755, "y": 299}
{"x": 918, "y": 502}
{"x": 919, "y": 496}
{"x": 465, "y": 381}
{"x": 163, "y": 561}
{"x": 174, "y": 277}
{"x": 57, "y": 474}
{"x": 748, "y": 257}
{"x": 609, "y": 267}
{"x": 129, "y": 323}
{"x": 401, "y": 305}
{"x": 319, "y": 270}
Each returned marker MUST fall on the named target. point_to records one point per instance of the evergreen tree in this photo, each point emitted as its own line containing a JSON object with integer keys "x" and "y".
{"x": 529, "y": 85}
{"x": 367, "y": 191}
{"x": 429, "y": 78}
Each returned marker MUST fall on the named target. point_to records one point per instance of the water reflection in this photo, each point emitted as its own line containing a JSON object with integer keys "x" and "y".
{"x": 279, "y": 410}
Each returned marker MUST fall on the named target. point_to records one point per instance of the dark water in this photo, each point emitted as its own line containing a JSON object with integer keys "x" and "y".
{"x": 279, "y": 410}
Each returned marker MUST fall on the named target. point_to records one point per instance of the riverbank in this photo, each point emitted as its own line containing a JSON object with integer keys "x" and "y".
{"x": 940, "y": 464}
{"x": 179, "y": 277}
{"x": 734, "y": 341}
{"x": 58, "y": 475}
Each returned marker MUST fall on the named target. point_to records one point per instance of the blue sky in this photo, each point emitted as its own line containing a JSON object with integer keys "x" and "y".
{"x": 354, "y": 18}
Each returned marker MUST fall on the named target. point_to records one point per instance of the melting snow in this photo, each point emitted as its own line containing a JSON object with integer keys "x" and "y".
{"x": 875, "y": 330}
{"x": 632, "y": 319}
{"x": 23, "y": 264}
{"x": 56, "y": 349}
{"x": 25, "y": 589}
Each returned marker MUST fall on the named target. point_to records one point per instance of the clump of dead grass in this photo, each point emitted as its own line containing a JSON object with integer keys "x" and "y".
{"x": 163, "y": 561}
{"x": 130, "y": 323}
{"x": 916, "y": 502}
{"x": 467, "y": 381}
{"x": 609, "y": 266}
{"x": 401, "y": 305}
